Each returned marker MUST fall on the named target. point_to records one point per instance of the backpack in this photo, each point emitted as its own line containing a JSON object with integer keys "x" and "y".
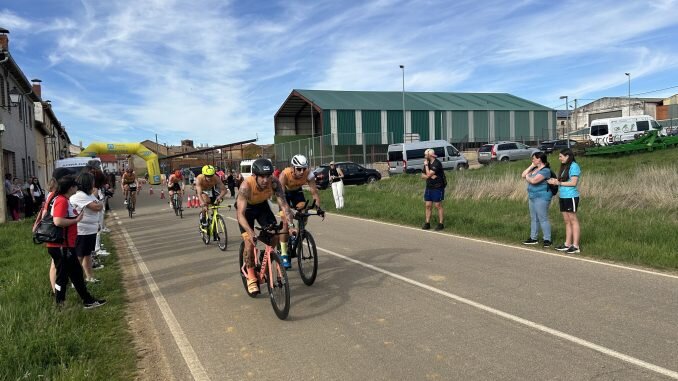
{"x": 553, "y": 188}
{"x": 45, "y": 230}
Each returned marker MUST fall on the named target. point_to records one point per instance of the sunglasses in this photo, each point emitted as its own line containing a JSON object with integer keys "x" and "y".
{"x": 298, "y": 169}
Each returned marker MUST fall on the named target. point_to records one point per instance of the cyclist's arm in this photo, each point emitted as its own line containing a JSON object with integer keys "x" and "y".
{"x": 282, "y": 201}
{"x": 314, "y": 192}
{"x": 244, "y": 195}
{"x": 198, "y": 188}
{"x": 283, "y": 180}
{"x": 222, "y": 189}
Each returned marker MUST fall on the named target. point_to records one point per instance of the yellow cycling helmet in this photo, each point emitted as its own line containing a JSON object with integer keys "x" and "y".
{"x": 208, "y": 170}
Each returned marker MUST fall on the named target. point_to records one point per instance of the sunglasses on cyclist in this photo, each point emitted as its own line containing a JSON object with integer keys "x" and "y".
{"x": 298, "y": 169}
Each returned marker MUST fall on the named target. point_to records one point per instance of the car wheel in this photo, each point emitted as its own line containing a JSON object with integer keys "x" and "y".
{"x": 505, "y": 158}
{"x": 462, "y": 167}
{"x": 371, "y": 179}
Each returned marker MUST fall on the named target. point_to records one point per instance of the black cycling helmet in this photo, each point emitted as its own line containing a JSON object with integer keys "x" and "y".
{"x": 262, "y": 167}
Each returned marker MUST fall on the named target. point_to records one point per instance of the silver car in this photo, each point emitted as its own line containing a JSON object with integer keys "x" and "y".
{"x": 504, "y": 151}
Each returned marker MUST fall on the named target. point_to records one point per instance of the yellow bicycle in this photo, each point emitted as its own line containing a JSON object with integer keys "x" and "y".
{"x": 215, "y": 229}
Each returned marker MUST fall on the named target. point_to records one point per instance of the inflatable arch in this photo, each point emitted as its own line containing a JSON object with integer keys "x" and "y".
{"x": 128, "y": 148}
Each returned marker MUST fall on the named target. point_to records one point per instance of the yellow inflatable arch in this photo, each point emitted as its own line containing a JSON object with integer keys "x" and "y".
{"x": 128, "y": 148}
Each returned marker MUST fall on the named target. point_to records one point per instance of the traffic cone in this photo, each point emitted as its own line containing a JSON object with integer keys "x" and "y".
{"x": 162, "y": 193}
{"x": 151, "y": 190}
{"x": 191, "y": 201}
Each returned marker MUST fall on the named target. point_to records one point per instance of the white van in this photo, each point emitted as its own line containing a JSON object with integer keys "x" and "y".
{"x": 409, "y": 157}
{"x": 246, "y": 168}
{"x": 77, "y": 164}
{"x": 623, "y": 129}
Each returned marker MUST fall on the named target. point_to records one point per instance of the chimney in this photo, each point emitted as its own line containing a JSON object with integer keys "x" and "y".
{"x": 37, "y": 88}
{"x": 4, "y": 39}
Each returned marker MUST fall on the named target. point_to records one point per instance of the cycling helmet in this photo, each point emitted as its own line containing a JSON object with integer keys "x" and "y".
{"x": 299, "y": 161}
{"x": 208, "y": 170}
{"x": 262, "y": 167}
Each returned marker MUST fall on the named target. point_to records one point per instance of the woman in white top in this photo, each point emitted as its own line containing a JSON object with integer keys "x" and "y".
{"x": 37, "y": 194}
{"x": 84, "y": 201}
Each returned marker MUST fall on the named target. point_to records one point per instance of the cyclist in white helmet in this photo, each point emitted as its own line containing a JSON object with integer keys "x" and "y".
{"x": 292, "y": 179}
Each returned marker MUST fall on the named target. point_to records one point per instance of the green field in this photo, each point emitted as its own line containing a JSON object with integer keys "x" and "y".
{"x": 628, "y": 210}
{"x": 43, "y": 342}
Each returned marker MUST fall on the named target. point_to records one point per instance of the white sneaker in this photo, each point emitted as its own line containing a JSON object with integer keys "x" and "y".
{"x": 105, "y": 230}
{"x": 98, "y": 267}
{"x": 125, "y": 202}
{"x": 92, "y": 280}
{"x": 103, "y": 253}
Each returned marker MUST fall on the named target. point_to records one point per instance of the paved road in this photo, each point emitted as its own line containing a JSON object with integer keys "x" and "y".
{"x": 396, "y": 303}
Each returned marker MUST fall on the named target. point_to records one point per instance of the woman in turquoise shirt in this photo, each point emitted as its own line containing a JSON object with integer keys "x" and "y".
{"x": 567, "y": 181}
{"x": 538, "y": 198}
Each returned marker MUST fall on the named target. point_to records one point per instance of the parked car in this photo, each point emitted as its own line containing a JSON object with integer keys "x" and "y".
{"x": 549, "y": 146}
{"x": 354, "y": 174}
{"x": 409, "y": 157}
{"x": 504, "y": 151}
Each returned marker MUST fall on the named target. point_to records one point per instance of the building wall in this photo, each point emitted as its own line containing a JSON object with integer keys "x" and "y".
{"x": 611, "y": 107}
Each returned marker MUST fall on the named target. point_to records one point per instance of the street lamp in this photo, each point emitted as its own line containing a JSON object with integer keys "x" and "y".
{"x": 404, "y": 128}
{"x": 629, "y": 75}
{"x": 567, "y": 115}
{"x": 14, "y": 97}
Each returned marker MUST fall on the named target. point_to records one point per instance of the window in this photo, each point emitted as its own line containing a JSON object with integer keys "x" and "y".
{"x": 486, "y": 148}
{"x": 521, "y": 146}
{"x": 656, "y": 125}
{"x": 643, "y": 125}
{"x": 451, "y": 151}
{"x": 599, "y": 130}
{"x": 440, "y": 151}
{"x": 507, "y": 146}
{"x": 395, "y": 155}
{"x": 415, "y": 154}
{"x": 2, "y": 91}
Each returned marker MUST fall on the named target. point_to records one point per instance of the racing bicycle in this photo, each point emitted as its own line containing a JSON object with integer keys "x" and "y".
{"x": 303, "y": 246}
{"x": 176, "y": 205}
{"x": 215, "y": 229}
{"x": 268, "y": 269}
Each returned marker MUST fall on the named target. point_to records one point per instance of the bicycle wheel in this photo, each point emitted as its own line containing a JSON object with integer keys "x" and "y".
{"x": 278, "y": 288}
{"x": 181, "y": 209}
{"x": 220, "y": 233}
{"x": 174, "y": 204}
{"x": 130, "y": 208}
{"x": 307, "y": 258}
{"x": 242, "y": 261}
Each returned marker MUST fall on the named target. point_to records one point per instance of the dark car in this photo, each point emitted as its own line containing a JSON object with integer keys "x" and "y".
{"x": 549, "y": 146}
{"x": 354, "y": 174}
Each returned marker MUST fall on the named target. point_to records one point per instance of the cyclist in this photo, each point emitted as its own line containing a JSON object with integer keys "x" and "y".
{"x": 175, "y": 183}
{"x": 252, "y": 204}
{"x": 206, "y": 185}
{"x": 130, "y": 184}
{"x": 292, "y": 179}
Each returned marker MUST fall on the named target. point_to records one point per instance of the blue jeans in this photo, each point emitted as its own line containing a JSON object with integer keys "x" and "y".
{"x": 539, "y": 216}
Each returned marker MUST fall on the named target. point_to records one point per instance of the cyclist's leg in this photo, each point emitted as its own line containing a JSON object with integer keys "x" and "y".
{"x": 125, "y": 189}
{"x": 206, "y": 201}
{"x": 134, "y": 199}
{"x": 266, "y": 218}
{"x": 170, "y": 194}
{"x": 252, "y": 282}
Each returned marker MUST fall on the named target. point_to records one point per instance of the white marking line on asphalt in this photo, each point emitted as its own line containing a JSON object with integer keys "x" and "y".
{"x": 518, "y": 247}
{"x": 190, "y": 357}
{"x": 505, "y": 315}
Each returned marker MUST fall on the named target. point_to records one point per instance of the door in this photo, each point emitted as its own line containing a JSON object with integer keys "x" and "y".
{"x": 523, "y": 151}
{"x": 453, "y": 157}
{"x": 351, "y": 173}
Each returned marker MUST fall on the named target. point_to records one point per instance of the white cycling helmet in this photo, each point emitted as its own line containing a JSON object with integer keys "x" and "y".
{"x": 299, "y": 161}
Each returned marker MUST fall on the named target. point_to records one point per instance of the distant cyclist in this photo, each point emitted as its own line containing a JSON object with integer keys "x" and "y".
{"x": 175, "y": 183}
{"x": 130, "y": 184}
{"x": 206, "y": 185}
{"x": 252, "y": 204}
{"x": 292, "y": 179}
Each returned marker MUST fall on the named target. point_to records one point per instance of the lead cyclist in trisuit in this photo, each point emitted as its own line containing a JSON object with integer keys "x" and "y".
{"x": 206, "y": 185}
{"x": 292, "y": 179}
{"x": 130, "y": 184}
{"x": 252, "y": 204}
{"x": 175, "y": 183}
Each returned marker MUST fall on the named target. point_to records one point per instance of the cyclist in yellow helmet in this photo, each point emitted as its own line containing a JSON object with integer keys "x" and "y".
{"x": 206, "y": 185}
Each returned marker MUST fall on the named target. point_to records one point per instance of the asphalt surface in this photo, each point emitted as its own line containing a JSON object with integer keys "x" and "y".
{"x": 397, "y": 303}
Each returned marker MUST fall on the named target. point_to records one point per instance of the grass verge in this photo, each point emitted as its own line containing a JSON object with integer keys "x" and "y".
{"x": 40, "y": 341}
{"x": 628, "y": 210}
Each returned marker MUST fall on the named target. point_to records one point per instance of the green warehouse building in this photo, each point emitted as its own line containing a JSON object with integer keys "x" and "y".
{"x": 352, "y": 121}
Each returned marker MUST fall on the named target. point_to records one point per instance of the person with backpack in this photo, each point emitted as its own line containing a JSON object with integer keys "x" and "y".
{"x": 539, "y": 195}
{"x": 434, "y": 194}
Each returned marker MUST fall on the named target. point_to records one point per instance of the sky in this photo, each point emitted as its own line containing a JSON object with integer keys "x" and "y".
{"x": 216, "y": 71}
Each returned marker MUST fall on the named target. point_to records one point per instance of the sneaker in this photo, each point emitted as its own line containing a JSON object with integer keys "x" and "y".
{"x": 94, "y": 304}
{"x": 252, "y": 286}
{"x": 286, "y": 261}
{"x": 103, "y": 253}
{"x": 105, "y": 230}
{"x": 573, "y": 250}
{"x": 426, "y": 226}
{"x": 530, "y": 241}
{"x": 97, "y": 266}
{"x": 547, "y": 243}
{"x": 562, "y": 248}
{"x": 125, "y": 202}
{"x": 439, "y": 227}
{"x": 92, "y": 280}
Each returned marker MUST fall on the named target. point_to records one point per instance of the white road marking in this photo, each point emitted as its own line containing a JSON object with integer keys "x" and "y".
{"x": 517, "y": 319}
{"x": 190, "y": 357}
{"x": 569, "y": 257}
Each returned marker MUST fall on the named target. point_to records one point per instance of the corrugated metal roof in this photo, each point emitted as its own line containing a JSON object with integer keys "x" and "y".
{"x": 439, "y": 101}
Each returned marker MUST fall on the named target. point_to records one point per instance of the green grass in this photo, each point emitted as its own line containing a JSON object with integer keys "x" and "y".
{"x": 41, "y": 341}
{"x": 628, "y": 210}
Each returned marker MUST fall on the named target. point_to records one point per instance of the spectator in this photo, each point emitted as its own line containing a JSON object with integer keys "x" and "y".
{"x": 238, "y": 180}
{"x": 336, "y": 176}
{"x": 567, "y": 181}
{"x": 8, "y": 194}
{"x": 230, "y": 183}
{"x": 37, "y": 194}
{"x": 276, "y": 172}
{"x": 15, "y": 199}
{"x": 27, "y": 198}
{"x": 66, "y": 263}
{"x": 538, "y": 198}
{"x": 435, "y": 188}
{"x": 85, "y": 202}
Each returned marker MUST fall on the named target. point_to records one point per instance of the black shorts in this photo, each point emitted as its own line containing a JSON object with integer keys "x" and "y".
{"x": 569, "y": 204}
{"x": 84, "y": 244}
{"x": 132, "y": 188}
{"x": 295, "y": 197}
{"x": 261, "y": 213}
{"x": 175, "y": 187}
